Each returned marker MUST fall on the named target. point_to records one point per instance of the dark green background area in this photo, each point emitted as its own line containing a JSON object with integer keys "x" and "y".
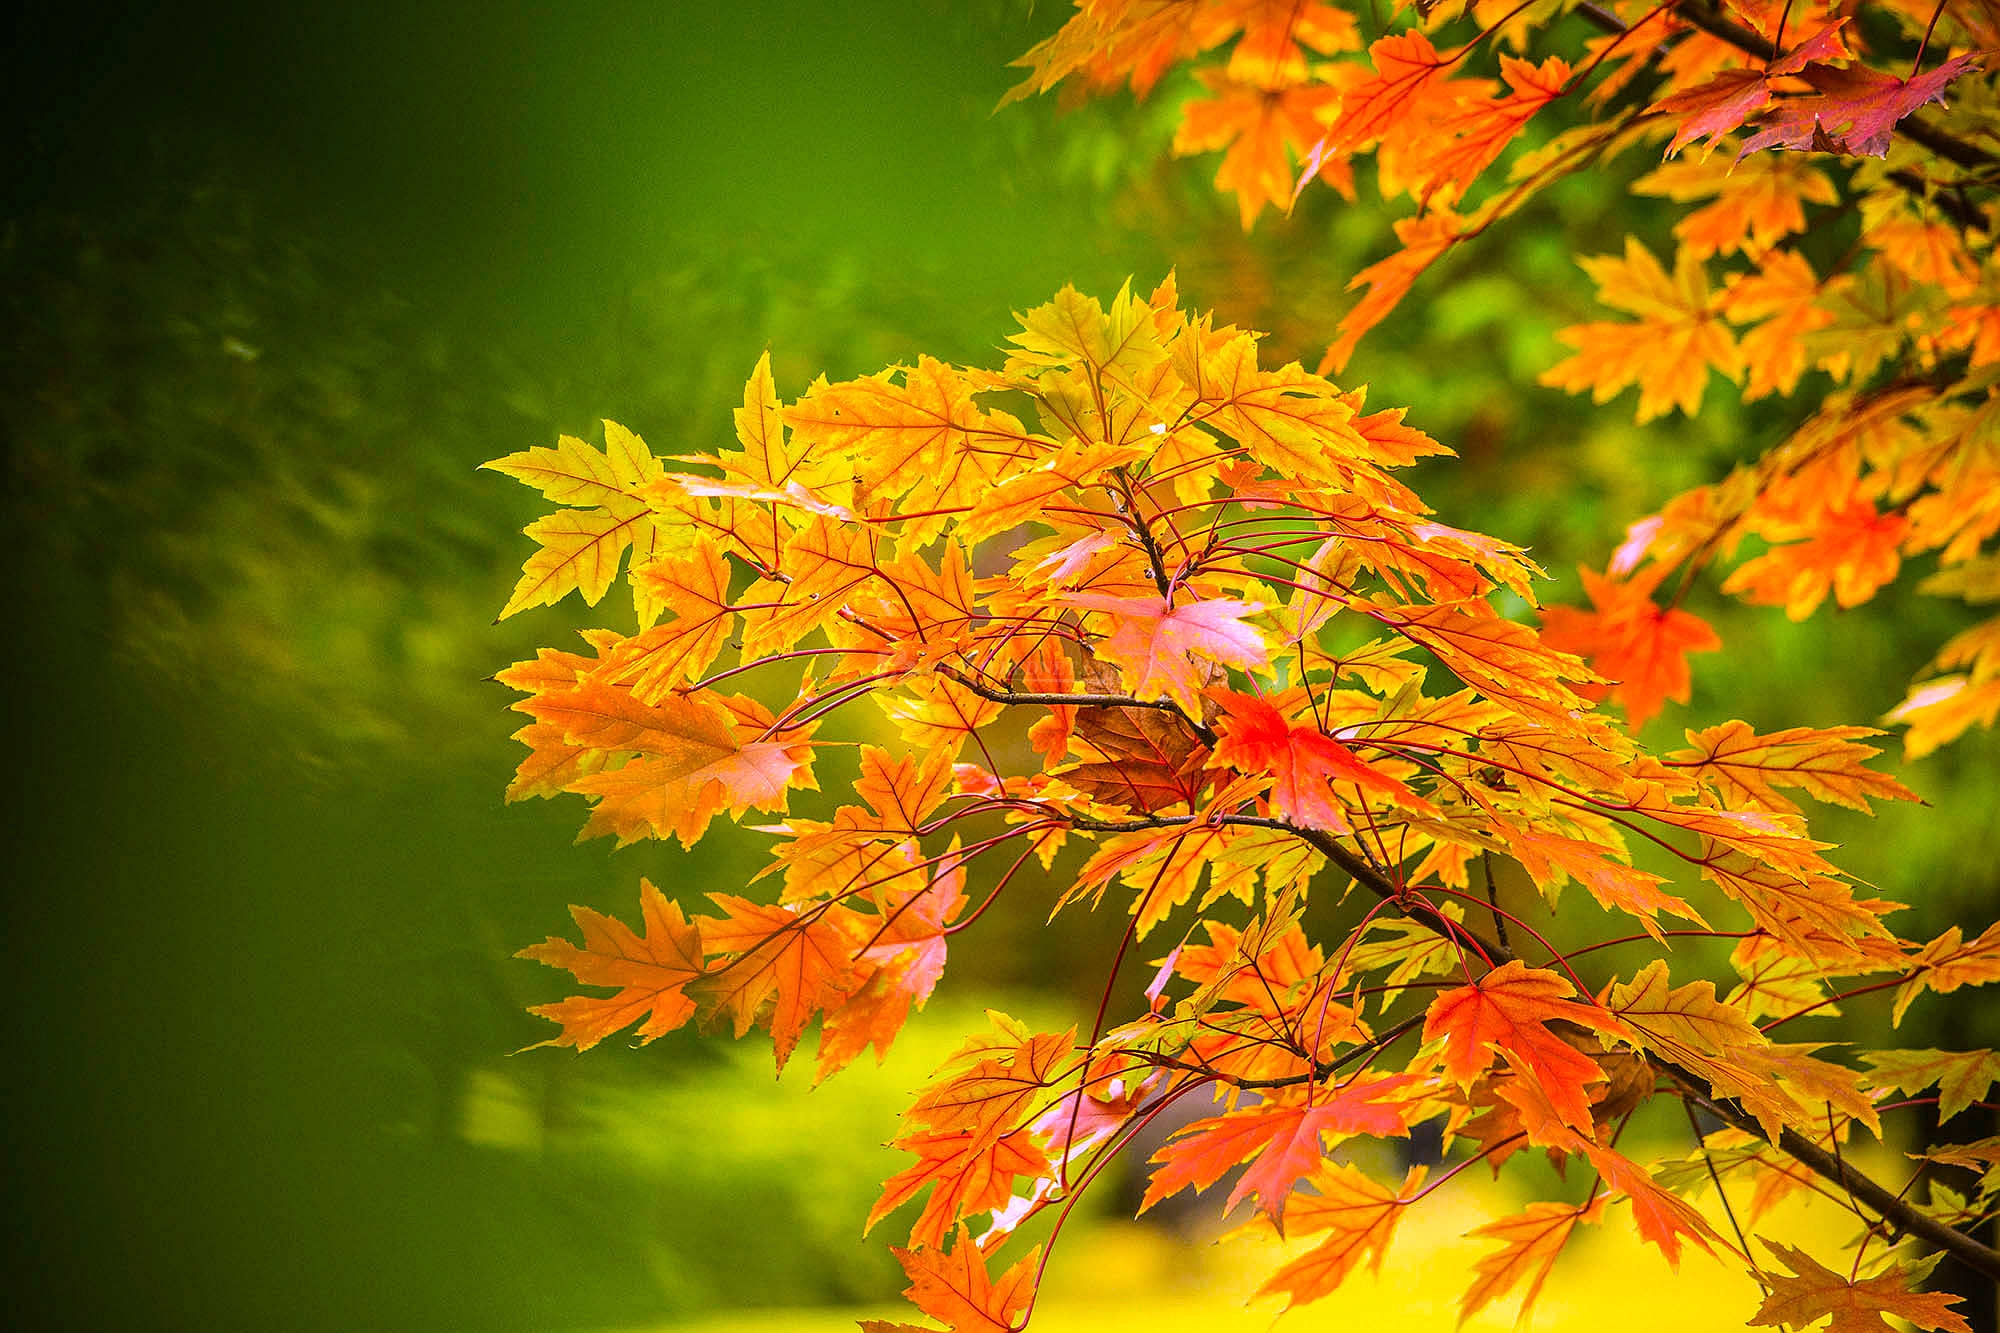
{"x": 272, "y": 284}
{"x": 275, "y": 283}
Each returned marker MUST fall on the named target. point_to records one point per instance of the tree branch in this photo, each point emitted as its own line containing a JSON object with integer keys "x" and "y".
{"x": 1897, "y": 1211}
{"x": 1900, "y": 1213}
{"x": 1054, "y": 700}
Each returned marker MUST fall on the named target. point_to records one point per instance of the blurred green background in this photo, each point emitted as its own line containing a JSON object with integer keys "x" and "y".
{"x": 274, "y": 282}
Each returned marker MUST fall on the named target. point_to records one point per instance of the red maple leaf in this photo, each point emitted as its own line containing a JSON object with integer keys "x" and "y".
{"x": 1303, "y": 762}
{"x": 1855, "y": 110}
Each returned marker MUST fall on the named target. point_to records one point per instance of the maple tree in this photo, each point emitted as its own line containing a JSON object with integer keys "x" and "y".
{"x": 1164, "y": 621}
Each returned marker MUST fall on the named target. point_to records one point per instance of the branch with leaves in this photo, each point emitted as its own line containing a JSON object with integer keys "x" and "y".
{"x": 1247, "y": 663}
{"x": 1783, "y": 123}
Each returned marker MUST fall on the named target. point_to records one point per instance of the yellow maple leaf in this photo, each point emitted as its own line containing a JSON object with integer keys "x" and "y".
{"x": 581, "y": 546}
{"x": 1667, "y": 351}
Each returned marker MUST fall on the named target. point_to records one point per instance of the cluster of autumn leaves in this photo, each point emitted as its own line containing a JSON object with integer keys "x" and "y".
{"x": 1246, "y": 662}
{"x": 1832, "y": 237}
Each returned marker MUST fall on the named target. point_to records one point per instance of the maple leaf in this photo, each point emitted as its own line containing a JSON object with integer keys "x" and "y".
{"x": 1631, "y": 641}
{"x": 1731, "y": 96}
{"x": 1530, "y": 1244}
{"x": 966, "y": 1173}
{"x": 1362, "y": 1217}
{"x": 1407, "y": 81}
{"x": 1784, "y": 294}
{"x": 1149, "y": 760}
{"x": 1689, "y": 1026}
{"x": 1962, "y": 1077}
{"x": 1552, "y": 858}
{"x": 1423, "y": 239}
{"x": 1668, "y": 351}
{"x": 1815, "y": 1291}
{"x": 1156, "y": 646}
{"x": 1283, "y": 1142}
{"x": 1939, "y": 711}
{"x": 1856, "y": 108}
{"x": 913, "y": 434}
{"x": 1853, "y": 550}
{"x": 1827, "y": 763}
{"x": 908, "y": 951}
{"x": 1757, "y": 203}
{"x": 823, "y": 563}
{"x": 1947, "y": 963}
{"x": 685, "y": 758}
{"x": 649, "y": 969}
{"x": 1303, "y": 762}
{"x": 694, "y": 587}
{"x": 1510, "y": 1008}
{"x": 992, "y": 1082}
{"x": 787, "y": 965}
{"x": 581, "y": 546}
{"x": 1478, "y": 129}
{"x": 1714, "y": 108}
{"x": 1290, "y": 420}
{"x": 1119, "y": 346}
{"x": 1263, "y": 128}
{"x": 954, "y": 1286}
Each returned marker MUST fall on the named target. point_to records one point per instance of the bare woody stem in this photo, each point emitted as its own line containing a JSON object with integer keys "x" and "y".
{"x": 1904, "y": 1216}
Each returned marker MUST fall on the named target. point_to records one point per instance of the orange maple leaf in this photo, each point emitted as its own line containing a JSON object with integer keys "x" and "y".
{"x": 966, "y": 1172}
{"x": 788, "y": 965}
{"x": 1283, "y": 1139}
{"x": 649, "y": 969}
{"x": 1630, "y": 640}
{"x": 1530, "y": 1243}
{"x": 1757, "y": 203}
{"x": 1397, "y": 96}
{"x": 1827, "y": 763}
{"x": 1940, "y": 710}
{"x": 1388, "y": 280}
{"x": 1478, "y": 129}
{"x": 1510, "y": 1008}
{"x": 1667, "y": 351}
{"x": 1552, "y": 858}
{"x": 954, "y": 1286}
{"x": 1851, "y": 551}
{"x": 1947, "y": 963}
{"x": 1856, "y": 1306}
{"x": 1263, "y": 128}
{"x": 1156, "y": 646}
{"x": 1715, "y": 108}
{"x": 993, "y": 1082}
{"x": 1784, "y": 295}
{"x": 908, "y": 951}
{"x": 684, "y": 758}
{"x": 1362, "y": 1217}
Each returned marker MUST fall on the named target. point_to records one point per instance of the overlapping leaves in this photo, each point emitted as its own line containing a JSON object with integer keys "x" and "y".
{"x": 1248, "y": 654}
